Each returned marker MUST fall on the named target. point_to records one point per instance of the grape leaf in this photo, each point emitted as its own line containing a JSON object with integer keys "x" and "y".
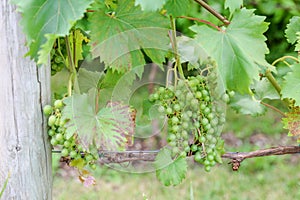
{"x": 292, "y": 28}
{"x": 247, "y": 104}
{"x": 263, "y": 89}
{"x": 44, "y": 17}
{"x": 108, "y": 128}
{"x": 238, "y": 50}
{"x": 190, "y": 51}
{"x": 168, "y": 171}
{"x": 88, "y": 79}
{"x": 291, "y": 84}
{"x": 178, "y": 7}
{"x": 124, "y": 32}
{"x": 152, "y": 5}
{"x": 233, "y": 5}
{"x": 78, "y": 38}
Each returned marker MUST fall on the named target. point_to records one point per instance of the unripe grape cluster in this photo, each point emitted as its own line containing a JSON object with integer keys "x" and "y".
{"x": 194, "y": 120}
{"x": 57, "y": 55}
{"x": 68, "y": 146}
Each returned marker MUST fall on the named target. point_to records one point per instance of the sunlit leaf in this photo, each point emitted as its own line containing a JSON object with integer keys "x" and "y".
{"x": 168, "y": 171}
{"x": 52, "y": 18}
{"x": 108, "y": 127}
{"x": 291, "y": 84}
{"x": 119, "y": 36}
{"x": 239, "y": 49}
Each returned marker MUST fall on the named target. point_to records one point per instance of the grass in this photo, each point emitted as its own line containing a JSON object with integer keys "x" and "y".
{"x": 268, "y": 178}
{"x": 276, "y": 181}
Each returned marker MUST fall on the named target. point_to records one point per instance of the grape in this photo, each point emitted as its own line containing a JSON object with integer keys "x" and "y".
{"x": 194, "y": 148}
{"x": 53, "y": 142}
{"x": 59, "y": 137}
{"x": 93, "y": 166}
{"x": 225, "y": 98}
{"x": 51, "y": 120}
{"x": 58, "y": 104}
{"x": 73, "y": 154}
{"x": 89, "y": 157}
{"x": 207, "y": 168}
{"x": 64, "y": 152}
{"x": 47, "y": 109}
{"x": 198, "y": 157}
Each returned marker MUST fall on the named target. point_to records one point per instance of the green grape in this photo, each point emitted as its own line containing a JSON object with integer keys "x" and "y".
{"x": 202, "y": 139}
{"x": 177, "y": 107}
{"x": 58, "y": 104}
{"x": 198, "y": 157}
{"x": 59, "y": 137}
{"x": 47, "y": 109}
{"x": 225, "y": 98}
{"x": 51, "y": 120}
{"x": 171, "y": 137}
{"x": 194, "y": 148}
{"x": 175, "y": 120}
{"x": 73, "y": 154}
{"x": 64, "y": 152}
{"x": 161, "y": 109}
{"x": 89, "y": 157}
{"x": 53, "y": 142}
{"x": 210, "y": 157}
{"x": 51, "y": 132}
{"x": 93, "y": 166}
{"x": 67, "y": 143}
{"x": 207, "y": 168}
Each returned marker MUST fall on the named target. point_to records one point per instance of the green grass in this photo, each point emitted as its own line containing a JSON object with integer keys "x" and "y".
{"x": 274, "y": 181}
{"x": 267, "y": 178}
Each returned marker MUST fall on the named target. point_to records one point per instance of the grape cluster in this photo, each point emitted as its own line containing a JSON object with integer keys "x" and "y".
{"x": 194, "y": 120}
{"x": 57, "y": 55}
{"x": 68, "y": 145}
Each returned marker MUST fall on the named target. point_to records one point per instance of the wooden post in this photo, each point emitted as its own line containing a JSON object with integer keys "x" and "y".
{"x": 25, "y": 151}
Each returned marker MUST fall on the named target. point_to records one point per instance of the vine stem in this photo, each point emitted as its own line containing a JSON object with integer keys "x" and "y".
{"x": 202, "y": 21}
{"x": 273, "y": 81}
{"x": 72, "y": 69}
{"x": 282, "y": 59}
{"x": 273, "y": 108}
{"x": 213, "y": 12}
{"x": 175, "y": 49}
{"x": 106, "y": 157}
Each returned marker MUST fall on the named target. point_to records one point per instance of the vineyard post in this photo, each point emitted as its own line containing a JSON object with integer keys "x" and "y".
{"x": 25, "y": 154}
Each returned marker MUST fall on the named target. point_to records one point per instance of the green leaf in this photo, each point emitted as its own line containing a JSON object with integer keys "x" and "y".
{"x": 238, "y": 50}
{"x": 152, "y": 5}
{"x": 247, "y": 105}
{"x": 233, "y": 5}
{"x": 52, "y": 18}
{"x": 88, "y": 79}
{"x": 168, "y": 171}
{"x": 263, "y": 89}
{"x": 124, "y": 32}
{"x": 78, "y": 162}
{"x": 190, "y": 51}
{"x": 108, "y": 128}
{"x": 292, "y": 28}
{"x": 178, "y": 8}
{"x": 291, "y": 84}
